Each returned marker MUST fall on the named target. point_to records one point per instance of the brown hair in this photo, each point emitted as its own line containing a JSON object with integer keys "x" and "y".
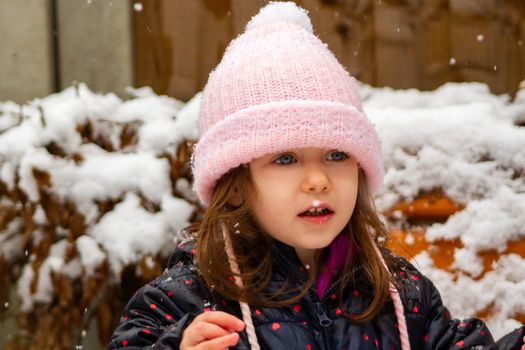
{"x": 364, "y": 229}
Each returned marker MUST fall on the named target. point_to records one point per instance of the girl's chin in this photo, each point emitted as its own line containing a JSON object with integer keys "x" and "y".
{"x": 321, "y": 244}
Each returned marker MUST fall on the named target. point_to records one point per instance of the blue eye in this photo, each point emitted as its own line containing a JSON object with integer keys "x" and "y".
{"x": 337, "y": 156}
{"x": 284, "y": 159}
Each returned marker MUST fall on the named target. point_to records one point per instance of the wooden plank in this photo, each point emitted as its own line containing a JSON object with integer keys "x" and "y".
{"x": 26, "y": 57}
{"x": 95, "y": 45}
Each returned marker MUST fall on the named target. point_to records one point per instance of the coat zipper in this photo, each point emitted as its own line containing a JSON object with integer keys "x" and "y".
{"x": 320, "y": 309}
{"x": 324, "y": 321}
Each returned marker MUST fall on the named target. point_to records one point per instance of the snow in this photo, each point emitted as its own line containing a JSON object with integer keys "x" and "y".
{"x": 176, "y": 212}
{"x": 137, "y": 6}
{"x": 130, "y": 230}
{"x": 39, "y": 217}
{"x": 449, "y": 94}
{"x": 87, "y": 173}
{"x": 431, "y": 145}
{"x": 500, "y": 288}
{"x": 7, "y": 174}
{"x": 476, "y": 224}
{"x": 91, "y": 255}
{"x": 460, "y": 139}
{"x": 184, "y": 187}
{"x": 464, "y": 141}
{"x": 44, "y": 288}
{"x": 102, "y": 175}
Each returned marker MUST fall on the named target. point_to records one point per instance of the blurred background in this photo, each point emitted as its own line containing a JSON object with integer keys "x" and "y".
{"x": 63, "y": 286}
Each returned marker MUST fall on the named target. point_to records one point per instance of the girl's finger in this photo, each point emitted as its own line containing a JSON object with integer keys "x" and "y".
{"x": 220, "y": 343}
{"x": 201, "y": 331}
{"x": 221, "y": 319}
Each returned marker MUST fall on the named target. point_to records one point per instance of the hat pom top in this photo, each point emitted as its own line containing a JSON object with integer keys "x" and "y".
{"x": 281, "y": 12}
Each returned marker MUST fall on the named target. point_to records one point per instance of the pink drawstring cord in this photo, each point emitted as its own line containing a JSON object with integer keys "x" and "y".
{"x": 398, "y": 306}
{"x": 245, "y": 309}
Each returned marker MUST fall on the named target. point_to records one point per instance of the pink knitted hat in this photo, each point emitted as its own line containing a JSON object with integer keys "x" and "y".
{"x": 279, "y": 87}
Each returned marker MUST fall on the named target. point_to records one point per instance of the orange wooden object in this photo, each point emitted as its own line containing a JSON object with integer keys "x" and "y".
{"x": 436, "y": 207}
{"x": 442, "y": 252}
{"x": 432, "y": 206}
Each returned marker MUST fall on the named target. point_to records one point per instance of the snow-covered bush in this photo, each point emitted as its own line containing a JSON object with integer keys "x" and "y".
{"x": 93, "y": 193}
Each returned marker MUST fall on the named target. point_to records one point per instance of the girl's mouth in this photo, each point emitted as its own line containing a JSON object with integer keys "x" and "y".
{"x": 316, "y": 212}
{"x": 317, "y": 216}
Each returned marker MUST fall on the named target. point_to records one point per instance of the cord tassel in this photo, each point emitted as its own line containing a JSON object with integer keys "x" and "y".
{"x": 245, "y": 309}
{"x": 398, "y": 306}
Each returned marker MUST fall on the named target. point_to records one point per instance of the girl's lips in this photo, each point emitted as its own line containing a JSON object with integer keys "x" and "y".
{"x": 320, "y": 205}
{"x": 317, "y": 220}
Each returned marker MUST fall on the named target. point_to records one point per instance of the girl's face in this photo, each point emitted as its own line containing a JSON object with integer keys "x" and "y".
{"x": 289, "y": 183}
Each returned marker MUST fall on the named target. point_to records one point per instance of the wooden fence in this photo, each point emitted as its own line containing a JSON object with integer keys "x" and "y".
{"x": 396, "y": 43}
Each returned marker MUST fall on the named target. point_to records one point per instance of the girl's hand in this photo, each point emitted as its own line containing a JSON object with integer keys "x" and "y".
{"x": 523, "y": 346}
{"x": 212, "y": 330}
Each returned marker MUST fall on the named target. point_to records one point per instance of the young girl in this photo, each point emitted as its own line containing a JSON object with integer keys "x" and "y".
{"x": 290, "y": 253}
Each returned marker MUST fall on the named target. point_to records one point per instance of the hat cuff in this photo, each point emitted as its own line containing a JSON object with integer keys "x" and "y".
{"x": 280, "y": 126}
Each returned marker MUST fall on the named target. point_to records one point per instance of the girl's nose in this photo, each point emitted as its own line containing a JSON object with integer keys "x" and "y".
{"x": 315, "y": 179}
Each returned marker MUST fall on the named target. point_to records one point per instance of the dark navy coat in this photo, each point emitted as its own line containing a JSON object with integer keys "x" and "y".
{"x": 158, "y": 313}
